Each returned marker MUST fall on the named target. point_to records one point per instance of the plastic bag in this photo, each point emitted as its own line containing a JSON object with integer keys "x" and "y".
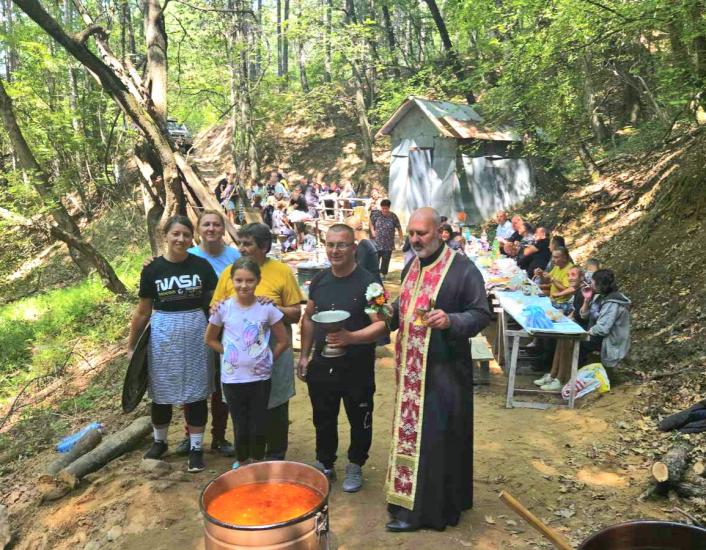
{"x": 67, "y": 443}
{"x": 536, "y": 318}
{"x": 589, "y": 378}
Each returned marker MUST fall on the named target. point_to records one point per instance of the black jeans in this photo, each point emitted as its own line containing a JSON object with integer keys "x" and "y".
{"x": 384, "y": 256}
{"x": 277, "y": 432}
{"x": 587, "y": 347}
{"x": 326, "y": 403}
{"x": 248, "y": 409}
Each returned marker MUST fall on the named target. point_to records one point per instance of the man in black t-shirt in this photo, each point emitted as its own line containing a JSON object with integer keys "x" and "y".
{"x": 350, "y": 378}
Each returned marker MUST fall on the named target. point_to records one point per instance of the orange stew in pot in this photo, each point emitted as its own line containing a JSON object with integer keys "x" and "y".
{"x": 263, "y": 503}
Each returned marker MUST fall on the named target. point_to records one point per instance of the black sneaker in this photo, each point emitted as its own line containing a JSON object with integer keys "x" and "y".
{"x": 157, "y": 449}
{"x": 196, "y": 463}
{"x": 183, "y": 448}
{"x": 223, "y": 446}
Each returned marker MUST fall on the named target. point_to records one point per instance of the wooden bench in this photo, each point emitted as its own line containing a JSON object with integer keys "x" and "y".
{"x": 481, "y": 355}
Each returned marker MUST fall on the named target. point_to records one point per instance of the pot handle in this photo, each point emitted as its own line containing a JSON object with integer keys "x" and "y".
{"x": 321, "y": 522}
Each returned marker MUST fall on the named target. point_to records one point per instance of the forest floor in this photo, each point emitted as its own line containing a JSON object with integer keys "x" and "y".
{"x": 579, "y": 470}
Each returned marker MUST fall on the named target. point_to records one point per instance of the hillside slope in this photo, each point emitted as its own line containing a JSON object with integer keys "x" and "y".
{"x": 644, "y": 219}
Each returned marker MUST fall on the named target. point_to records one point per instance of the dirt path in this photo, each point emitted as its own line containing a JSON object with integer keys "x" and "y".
{"x": 561, "y": 464}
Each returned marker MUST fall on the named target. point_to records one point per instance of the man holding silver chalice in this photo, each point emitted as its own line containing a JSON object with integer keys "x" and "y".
{"x": 342, "y": 335}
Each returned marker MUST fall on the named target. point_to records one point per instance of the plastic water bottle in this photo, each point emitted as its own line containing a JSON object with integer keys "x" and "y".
{"x": 484, "y": 240}
{"x": 495, "y": 249}
{"x": 67, "y": 443}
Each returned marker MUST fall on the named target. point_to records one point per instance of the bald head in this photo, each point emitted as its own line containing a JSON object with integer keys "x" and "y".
{"x": 428, "y": 214}
{"x": 423, "y": 231}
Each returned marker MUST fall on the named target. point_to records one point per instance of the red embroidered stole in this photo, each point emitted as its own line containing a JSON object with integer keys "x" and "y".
{"x": 420, "y": 286}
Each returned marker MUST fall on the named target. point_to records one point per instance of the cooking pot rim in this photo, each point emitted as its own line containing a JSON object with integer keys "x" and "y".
{"x": 323, "y": 505}
{"x": 655, "y": 522}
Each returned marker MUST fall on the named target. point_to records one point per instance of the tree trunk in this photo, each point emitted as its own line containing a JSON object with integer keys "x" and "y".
{"x": 285, "y": 44}
{"x": 588, "y": 163}
{"x": 303, "y": 80}
{"x": 366, "y": 136}
{"x": 328, "y": 47}
{"x": 600, "y": 132}
{"x": 122, "y": 83}
{"x": 156, "y": 37}
{"x": 41, "y": 182}
{"x": 391, "y": 43}
{"x": 450, "y": 51}
{"x": 279, "y": 38}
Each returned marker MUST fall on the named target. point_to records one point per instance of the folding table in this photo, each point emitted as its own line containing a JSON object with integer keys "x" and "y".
{"x": 513, "y": 304}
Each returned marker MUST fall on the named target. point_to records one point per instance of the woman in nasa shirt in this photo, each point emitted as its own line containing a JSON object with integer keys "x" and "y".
{"x": 175, "y": 290}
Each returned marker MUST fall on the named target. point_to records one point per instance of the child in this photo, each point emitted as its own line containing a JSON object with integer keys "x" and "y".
{"x": 563, "y": 354}
{"x": 246, "y": 358}
{"x": 592, "y": 265}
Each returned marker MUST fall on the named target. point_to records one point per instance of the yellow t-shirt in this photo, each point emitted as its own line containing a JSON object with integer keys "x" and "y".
{"x": 561, "y": 274}
{"x": 277, "y": 282}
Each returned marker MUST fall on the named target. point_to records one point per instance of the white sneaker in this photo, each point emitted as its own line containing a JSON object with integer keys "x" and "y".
{"x": 544, "y": 380}
{"x": 554, "y": 385}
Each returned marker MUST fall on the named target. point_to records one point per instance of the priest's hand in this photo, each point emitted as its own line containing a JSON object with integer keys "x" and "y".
{"x": 340, "y": 339}
{"x": 437, "y": 319}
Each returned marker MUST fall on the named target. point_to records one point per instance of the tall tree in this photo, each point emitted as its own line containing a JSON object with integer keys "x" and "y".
{"x": 64, "y": 228}
{"x": 450, "y": 50}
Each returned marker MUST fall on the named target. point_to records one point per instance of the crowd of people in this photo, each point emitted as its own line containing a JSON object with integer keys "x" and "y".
{"x": 221, "y": 329}
{"x": 587, "y": 294}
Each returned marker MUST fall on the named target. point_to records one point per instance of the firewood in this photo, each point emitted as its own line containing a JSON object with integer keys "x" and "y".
{"x": 55, "y": 487}
{"x": 687, "y": 489}
{"x": 699, "y": 468}
{"x": 82, "y": 446}
{"x": 111, "y": 448}
{"x": 670, "y": 469}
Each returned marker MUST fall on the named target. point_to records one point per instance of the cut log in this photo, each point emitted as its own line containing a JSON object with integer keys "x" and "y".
{"x": 670, "y": 469}
{"x": 699, "y": 468}
{"x": 55, "y": 487}
{"x": 111, "y": 448}
{"x": 687, "y": 489}
{"x": 88, "y": 442}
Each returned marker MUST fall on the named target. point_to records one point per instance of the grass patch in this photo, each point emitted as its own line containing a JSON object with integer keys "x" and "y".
{"x": 38, "y": 333}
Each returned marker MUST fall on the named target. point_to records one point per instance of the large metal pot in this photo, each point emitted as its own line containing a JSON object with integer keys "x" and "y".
{"x": 647, "y": 535}
{"x": 307, "y": 532}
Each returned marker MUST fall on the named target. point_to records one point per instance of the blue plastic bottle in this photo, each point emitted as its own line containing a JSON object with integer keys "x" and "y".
{"x": 67, "y": 443}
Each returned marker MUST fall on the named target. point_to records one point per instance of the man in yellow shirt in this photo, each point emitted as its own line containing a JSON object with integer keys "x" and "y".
{"x": 277, "y": 283}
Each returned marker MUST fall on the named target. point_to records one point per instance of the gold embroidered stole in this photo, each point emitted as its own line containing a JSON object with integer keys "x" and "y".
{"x": 420, "y": 287}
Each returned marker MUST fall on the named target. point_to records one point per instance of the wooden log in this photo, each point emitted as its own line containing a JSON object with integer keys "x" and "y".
{"x": 686, "y": 489}
{"x": 111, "y": 448}
{"x": 699, "y": 468}
{"x": 670, "y": 469}
{"x": 87, "y": 443}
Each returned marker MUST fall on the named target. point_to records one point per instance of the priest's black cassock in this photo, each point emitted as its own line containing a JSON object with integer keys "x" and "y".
{"x": 445, "y": 473}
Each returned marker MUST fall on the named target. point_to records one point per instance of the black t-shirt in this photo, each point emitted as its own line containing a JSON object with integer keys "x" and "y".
{"x": 515, "y": 237}
{"x": 346, "y": 293}
{"x": 366, "y": 256}
{"x": 578, "y": 304}
{"x": 299, "y": 203}
{"x": 178, "y": 286}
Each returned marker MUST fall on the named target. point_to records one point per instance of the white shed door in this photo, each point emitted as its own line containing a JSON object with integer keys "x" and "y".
{"x": 420, "y": 178}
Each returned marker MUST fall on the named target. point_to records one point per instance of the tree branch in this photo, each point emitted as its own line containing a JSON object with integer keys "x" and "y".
{"x": 609, "y": 9}
{"x": 83, "y": 36}
{"x": 216, "y": 10}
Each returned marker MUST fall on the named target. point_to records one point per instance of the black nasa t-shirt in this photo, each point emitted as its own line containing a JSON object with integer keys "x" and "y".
{"x": 178, "y": 286}
{"x": 347, "y": 293}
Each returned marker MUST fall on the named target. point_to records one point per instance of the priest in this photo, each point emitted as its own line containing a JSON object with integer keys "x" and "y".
{"x": 442, "y": 304}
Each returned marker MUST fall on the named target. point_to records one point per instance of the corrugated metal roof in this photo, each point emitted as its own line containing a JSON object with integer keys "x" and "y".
{"x": 454, "y": 120}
